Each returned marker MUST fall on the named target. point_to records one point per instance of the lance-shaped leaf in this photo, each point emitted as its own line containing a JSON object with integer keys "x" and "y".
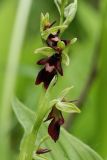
{"x": 47, "y": 51}
{"x": 52, "y": 30}
{"x": 67, "y": 107}
{"x": 25, "y": 116}
{"x": 69, "y": 147}
{"x": 70, "y": 12}
{"x": 39, "y": 157}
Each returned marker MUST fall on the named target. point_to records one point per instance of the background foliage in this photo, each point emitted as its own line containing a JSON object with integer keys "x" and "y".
{"x": 19, "y": 36}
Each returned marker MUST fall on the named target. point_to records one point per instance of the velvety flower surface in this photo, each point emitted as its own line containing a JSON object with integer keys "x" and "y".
{"x": 52, "y": 67}
{"x": 56, "y": 121}
{"x": 53, "y": 40}
{"x": 45, "y": 77}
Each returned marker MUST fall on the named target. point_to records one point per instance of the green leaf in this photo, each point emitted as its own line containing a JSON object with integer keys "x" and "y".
{"x": 68, "y": 148}
{"x": 25, "y": 116}
{"x": 67, "y": 107}
{"x": 47, "y": 51}
{"x": 70, "y": 12}
{"x": 52, "y": 30}
{"x": 39, "y": 157}
{"x": 65, "y": 59}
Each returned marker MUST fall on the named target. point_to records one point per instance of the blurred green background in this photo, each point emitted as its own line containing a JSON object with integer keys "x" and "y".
{"x": 19, "y": 36}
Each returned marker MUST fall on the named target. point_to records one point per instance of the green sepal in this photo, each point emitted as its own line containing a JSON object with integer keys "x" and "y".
{"x": 65, "y": 59}
{"x": 60, "y": 3}
{"x": 52, "y": 30}
{"x": 63, "y": 105}
{"x": 44, "y": 21}
{"x": 64, "y": 93}
{"x": 67, "y": 107}
{"x": 73, "y": 41}
{"x": 69, "y": 12}
{"x": 65, "y": 56}
{"x": 47, "y": 51}
{"x": 60, "y": 97}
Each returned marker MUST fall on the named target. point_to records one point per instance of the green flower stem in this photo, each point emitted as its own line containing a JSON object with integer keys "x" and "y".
{"x": 27, "y": 147}
{"x": 30, "y": 140}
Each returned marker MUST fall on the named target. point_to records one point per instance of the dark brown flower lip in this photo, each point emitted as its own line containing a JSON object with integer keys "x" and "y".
{"x": 55, "y": 61}
{"x": 42, "y": 151}
{"x": 45, "y": 77}
{"x": 56, "y": 121}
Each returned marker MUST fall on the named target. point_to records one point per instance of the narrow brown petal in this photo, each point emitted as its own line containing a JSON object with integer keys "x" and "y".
{"x": 52, "y": 23}
{"x": 56, "y": 121}
{"x": 49, "y": 25}
{"x": 42, "y": 151}
{"x": 54, "y": 128}
{"x": 43, "y": 61}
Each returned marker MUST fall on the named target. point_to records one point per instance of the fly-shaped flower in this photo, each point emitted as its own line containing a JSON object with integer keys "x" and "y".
{"x": 54, "y": 41}
{"x": 52, "y": 66}
{"x": 59, "y": 105}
